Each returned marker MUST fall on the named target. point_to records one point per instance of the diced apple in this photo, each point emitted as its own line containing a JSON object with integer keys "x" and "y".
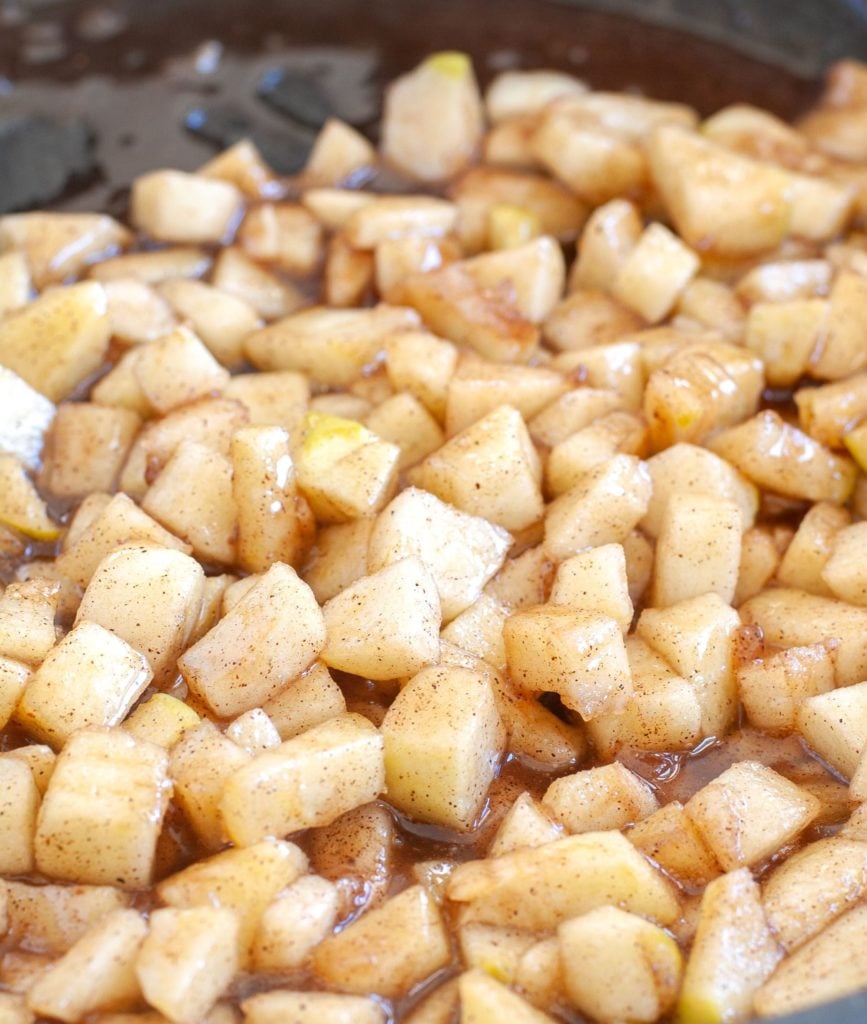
{"x": 21, "y": 507}
{"x": 578, "y": 654}
{"x": 103, "y": 810}
{"x": 733, "y": 953}
{"x": 671, "y": 840}
{"x": 792, "y": 618}
{"x": 432, "y": 121}
{"x": 696, "y": 637}
{"x": 294, "y": 923}
{"x": 597, "y": 799}
{"x": 386, "y": 624}
{"x": 332, "y": 346}
{"x": 163, "y": 720}
{"x": 719, "y": 200}
{"x": 834, "y": 724}
{"x": 97, "y": 973}
{"x": 443, "y": 742}
{"x": 813, "y": 887}
{"x": 830, "y": 966}
{"x": 306, "y": 782}
{"x": 19, "y": 805}
{"x": 602, "y": 508}
{"x": 388, "y": 950}
{"x": 773, "y": 689}
{"x": 188, "y": 960}
{"x": 524, "y": 825}
{"x": 284, "y": 1007}
{"x": 567, "y": 877}
{"x": 484, "y": 1000}
{"x": 148, "y": 596}
{"x": 172, "y": 206}
{"x": 117, "y": 522}
{"x": 617, "y": 966}
{"x": 698, "y": 550}
{"x": 749, "y": 812}
{"x": 270, "y": 636}
{"x": 244, "y": 880}
{"x": 92, "y": 677}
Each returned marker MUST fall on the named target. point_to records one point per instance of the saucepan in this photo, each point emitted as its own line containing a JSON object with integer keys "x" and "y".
{"x": 93, "y": 92}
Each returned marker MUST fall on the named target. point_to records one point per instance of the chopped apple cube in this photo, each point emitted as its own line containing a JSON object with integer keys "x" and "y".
{"x": 617, "y": 966}
{"x": 697, "y": 638}
{"x": 148, "y": 596}
{"x": 811, "y": 888}
{"x": 310, "y": 699}
{"x": 780, "y": 458}
{"x": 192, "y": 497}
{"x": 162, "y": 719}
{"x": 490, "y": 470}
{"x": 524, "y": 825}
{"x": 461, "y": 551}
{"x": 306, "y": 782}
{"x": 61, "y": 245}
{"x": 443, "y": 743}
{"x": 595, "y": 580}
{"x": 172, "y": 206}
{"x": 115, "y": 523}
{"x": 607, "y": 797}
{"x": 432, "y": 121}
{"x": 654, "y": 273}
{"x": 733, "y": 953}
{"x": 104, "y": 432}
{"x": 803, "y": 563}
{"x": 663, "y": 713}
{"x": 188, "y": 960}
{"x": 284, "y": 1007}
{"x": 294, "y": 923}
{"x": 344, "y": 469}
{"x": 19, "y": 805}
{"x": 602, "y": 508}
{"x": 389, "y": 950}
{"x": 830, "y": 966}
{"x": 578, "y": 654}
{"x": 284, "y": 234}
{"x": 457, "y": 305}
{"x": 52, "y": 918}
{"x": 789, "y": 618}
{"x": 698, "y": 550}
{"x": 178, "y": 369}
{"x": 243, "y": 880}
{"x": 719, "y": 200}
{"x": 385, "y": 625}
{"x": 274, "y": 523}
{"x": 21, "y": 507}
{"x": 27, "y": 613}
{"x": 92, "y": 677}
{"x": 484, "y": 1000}
{"x": 671, "y": 840}
{"x": 332, "y": 346}
{"x": 749, "y": 812}
{"x": 834, "y": 724}
{"x": 772, "y": 689}
{"x": 103, "y": 810}
{"x": 270, "y": 636}
{"x": 567, "y": 877}
{"x": 97, "y": 973}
